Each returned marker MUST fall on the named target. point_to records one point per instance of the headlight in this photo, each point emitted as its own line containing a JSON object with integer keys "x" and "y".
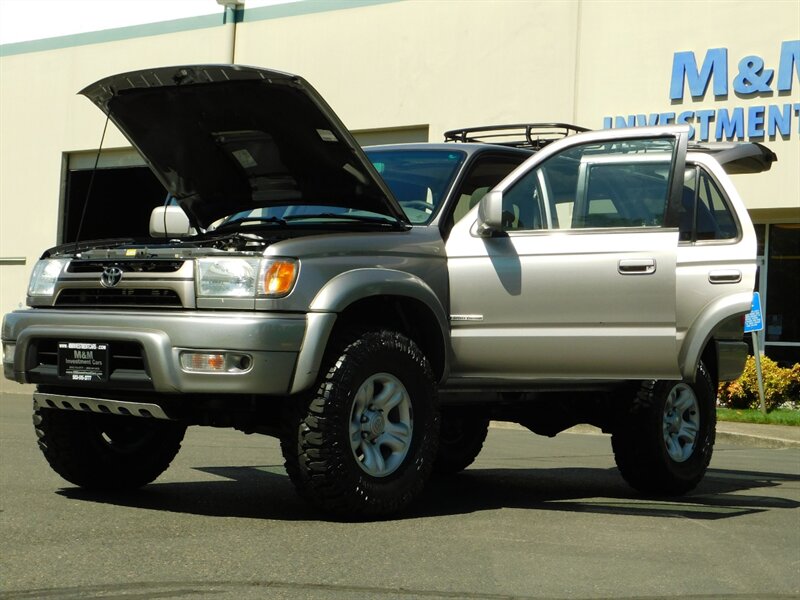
{"x": 245, "y": 277}
{"x": 44, "y": 276}
{"x": 227, "y": 277}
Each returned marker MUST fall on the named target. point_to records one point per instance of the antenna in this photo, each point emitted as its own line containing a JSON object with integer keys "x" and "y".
{"x": 91, "y": 184}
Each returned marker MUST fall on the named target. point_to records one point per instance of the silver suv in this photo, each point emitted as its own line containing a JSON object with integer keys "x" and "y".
{"x": 375, "y": 309}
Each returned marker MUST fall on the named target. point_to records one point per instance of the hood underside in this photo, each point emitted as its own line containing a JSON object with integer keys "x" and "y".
{"x": 226, "y": 138}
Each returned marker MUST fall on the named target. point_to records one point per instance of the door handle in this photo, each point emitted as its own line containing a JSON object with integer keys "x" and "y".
{"x": 725, "y": 276}
{"x": 637, "y": 266}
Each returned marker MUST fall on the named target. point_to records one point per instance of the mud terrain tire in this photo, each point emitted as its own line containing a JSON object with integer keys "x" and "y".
{"x": 362, "y": 445}
{"x": 106, "y": 452}
{"x": 461, "y": 438}
{"x": 664, "y": 445}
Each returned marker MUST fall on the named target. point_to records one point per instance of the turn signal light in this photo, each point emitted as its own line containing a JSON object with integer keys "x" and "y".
{"x": 278, "y": 277}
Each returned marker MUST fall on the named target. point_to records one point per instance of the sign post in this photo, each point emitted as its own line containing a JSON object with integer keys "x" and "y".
{"x": 753, "y": 323}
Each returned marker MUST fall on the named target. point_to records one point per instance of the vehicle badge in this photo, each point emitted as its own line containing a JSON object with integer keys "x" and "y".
{"x": 110, "y": 276}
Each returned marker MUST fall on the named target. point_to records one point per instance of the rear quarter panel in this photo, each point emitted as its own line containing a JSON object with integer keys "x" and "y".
{"x": 701, "y": 305}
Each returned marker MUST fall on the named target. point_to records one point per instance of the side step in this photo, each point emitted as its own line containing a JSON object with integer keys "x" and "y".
{"x": 100, "y": 405}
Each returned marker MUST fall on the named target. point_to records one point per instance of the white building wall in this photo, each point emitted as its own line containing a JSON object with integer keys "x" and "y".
{"x": 625, "y": 65}
{"x": 42, "y": 118}
{"x": 408, "y": 63}
{"x": 447, "y": 64}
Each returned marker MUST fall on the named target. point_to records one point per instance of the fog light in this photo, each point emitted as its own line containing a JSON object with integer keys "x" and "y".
{"x": 200, "y": 361}
{"x": 209, "y": 362}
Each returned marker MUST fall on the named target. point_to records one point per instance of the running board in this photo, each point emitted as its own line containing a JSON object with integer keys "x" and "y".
{"x": 100, "y": 405}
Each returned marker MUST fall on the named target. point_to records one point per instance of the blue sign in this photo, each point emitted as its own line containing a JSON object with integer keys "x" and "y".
{"x": 753, "y": 320}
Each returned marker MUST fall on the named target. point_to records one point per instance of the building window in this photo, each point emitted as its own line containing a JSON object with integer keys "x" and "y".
{"x": 392, "y": 135}
{"x": 782, "y": 318}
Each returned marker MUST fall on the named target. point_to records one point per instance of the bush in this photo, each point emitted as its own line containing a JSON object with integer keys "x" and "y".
{"x": 781, "y": 386}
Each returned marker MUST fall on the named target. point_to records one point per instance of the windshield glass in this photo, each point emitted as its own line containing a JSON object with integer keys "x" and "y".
{"x": 419, "y": 179}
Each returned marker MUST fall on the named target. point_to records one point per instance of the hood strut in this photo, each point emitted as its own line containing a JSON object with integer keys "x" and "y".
{"x": 91, "y": 183}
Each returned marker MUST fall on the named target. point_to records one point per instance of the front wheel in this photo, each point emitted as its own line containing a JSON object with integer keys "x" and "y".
{"x": 106, "y": 452}
{"x": 363, "y": 444}
{"x": 664, "y": 443}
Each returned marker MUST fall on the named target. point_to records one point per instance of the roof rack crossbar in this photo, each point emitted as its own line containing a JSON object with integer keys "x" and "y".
{"x": 528, "y": 135}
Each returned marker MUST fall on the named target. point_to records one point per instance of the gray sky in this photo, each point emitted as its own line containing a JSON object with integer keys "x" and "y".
{"x": 24, "y": 20}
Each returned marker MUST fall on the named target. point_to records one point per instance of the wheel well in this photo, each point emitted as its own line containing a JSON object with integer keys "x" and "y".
{"x": 709, "y": 358}
{"x": 405, "y": 315}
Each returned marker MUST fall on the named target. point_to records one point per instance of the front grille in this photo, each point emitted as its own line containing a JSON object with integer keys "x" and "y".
{"x": 127, "y": 266}
{"x": 100, "y": 297}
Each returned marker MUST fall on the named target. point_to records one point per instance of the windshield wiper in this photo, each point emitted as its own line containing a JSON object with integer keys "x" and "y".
{"x": 248, "y": 220}
{"x": 347, "y": 217}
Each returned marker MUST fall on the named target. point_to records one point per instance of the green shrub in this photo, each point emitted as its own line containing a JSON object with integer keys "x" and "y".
{"x": 781, "y": 386}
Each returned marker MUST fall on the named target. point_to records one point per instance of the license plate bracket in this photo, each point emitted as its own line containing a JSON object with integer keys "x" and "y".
{"x": 83, "y": 361}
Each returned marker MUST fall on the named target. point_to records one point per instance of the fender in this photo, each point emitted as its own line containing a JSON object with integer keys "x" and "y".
{"x": 703, "y": 328}
{"x": 347, "y": 288}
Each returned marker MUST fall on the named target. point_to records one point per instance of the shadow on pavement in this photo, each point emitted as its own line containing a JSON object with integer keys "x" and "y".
{"x": 600, "y": 491}
{"x": 266, "y": 493}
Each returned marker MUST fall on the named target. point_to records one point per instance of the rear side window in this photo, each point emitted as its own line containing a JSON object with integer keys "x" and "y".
{"x": 705, "y": 213}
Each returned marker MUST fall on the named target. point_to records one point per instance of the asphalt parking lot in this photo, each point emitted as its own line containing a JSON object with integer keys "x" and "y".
{"x": 532, "y": 518}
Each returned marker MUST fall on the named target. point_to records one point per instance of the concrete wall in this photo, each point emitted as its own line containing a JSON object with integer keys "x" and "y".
{"x": 447, "y": 64}
{"x": 395, "y": 64}
{"x": 42, "y": 118}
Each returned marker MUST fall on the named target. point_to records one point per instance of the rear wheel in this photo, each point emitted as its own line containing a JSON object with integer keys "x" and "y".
{"x": 363, "y": 444}
{"x": 106, "y": 452}
{"x": 461, "y": 439}
{"x": 665, "y": 443}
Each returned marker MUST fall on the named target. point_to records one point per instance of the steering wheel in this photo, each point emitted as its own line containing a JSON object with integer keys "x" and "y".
{"x": 418, "y": 205}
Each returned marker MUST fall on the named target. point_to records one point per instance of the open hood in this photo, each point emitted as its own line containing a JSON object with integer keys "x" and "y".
{"x": 227, "y": 138}
{"x": 738, "y": 157}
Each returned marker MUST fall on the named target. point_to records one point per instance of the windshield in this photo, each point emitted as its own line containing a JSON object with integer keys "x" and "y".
{"x": 419, "y": 179}
{"x": 304, "y": 214}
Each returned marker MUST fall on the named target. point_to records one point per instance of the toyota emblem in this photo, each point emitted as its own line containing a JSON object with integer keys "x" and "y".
{"x": 110, "y": 276}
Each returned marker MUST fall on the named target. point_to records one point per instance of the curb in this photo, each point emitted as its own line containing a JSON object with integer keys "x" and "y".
{"x": 755, "y": 440}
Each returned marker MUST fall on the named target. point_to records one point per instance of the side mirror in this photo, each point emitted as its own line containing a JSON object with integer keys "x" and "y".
{"x": 170, "y": 221}
{"x": 490, "y": 214}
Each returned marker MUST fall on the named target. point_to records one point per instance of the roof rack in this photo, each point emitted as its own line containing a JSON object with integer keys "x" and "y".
{"x": 524, "y": 135}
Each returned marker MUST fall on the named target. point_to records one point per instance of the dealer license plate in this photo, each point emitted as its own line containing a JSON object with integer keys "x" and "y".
{"x": 83, "y": 361}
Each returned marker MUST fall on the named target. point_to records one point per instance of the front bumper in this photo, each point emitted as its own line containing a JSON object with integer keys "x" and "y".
{"x": 145, "y": 349}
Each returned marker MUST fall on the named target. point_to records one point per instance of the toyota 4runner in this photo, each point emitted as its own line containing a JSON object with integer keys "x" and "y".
{"x": 375, "y": 309}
